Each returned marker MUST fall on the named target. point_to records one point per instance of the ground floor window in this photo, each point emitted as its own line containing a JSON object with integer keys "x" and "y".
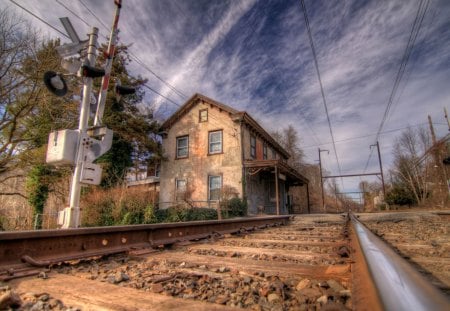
{"x": 214, "y": 187}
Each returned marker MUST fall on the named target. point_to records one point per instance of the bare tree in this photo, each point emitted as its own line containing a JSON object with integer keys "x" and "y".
{"x": 17, "y": 43}
{"x": 409, "y": 171}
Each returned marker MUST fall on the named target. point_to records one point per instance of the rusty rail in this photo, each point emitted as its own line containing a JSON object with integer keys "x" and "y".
{"x": 47, "y": 247}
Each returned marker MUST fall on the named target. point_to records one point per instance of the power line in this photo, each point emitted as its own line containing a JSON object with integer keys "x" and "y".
{"x": 417, "y": 24}
{"x": 140, "y": 62}
{"x": 96, "y": 17}
{"x": 34, "y": 15}
{"x": 73, "y": 13}
{"x": 170, "y": 86}
{"x": 305, "y": 14}
{"x": 370, "y": 135}
{"x": 156, "y": 92}
{"x": 406, "y": 55}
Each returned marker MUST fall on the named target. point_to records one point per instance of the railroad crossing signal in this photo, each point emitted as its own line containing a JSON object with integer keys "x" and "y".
{"x": 80, "y": 147}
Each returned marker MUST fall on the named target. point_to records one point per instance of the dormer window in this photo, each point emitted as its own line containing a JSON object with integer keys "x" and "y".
{"x": 203, "y": 115}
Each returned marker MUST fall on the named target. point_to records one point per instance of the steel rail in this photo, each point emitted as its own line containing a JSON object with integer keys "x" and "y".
{"x": 399, "y": 285}
{"x": 45, "y": 247}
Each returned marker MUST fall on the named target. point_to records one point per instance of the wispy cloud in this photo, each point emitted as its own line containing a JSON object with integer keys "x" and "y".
{"x": 255, "y": 56}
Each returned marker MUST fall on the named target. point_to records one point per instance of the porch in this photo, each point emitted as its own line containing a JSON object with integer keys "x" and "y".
{"x": 267, "y": 184}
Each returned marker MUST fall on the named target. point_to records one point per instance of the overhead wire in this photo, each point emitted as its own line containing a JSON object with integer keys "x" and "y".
{"x": 95, "y": 16}
{"x": 274, "y": 68}
{"x": 313, "y": 49}
{"x": 73, "y": 13}
{"x": 43, "y": 21}
{"x": 417, "y": 24}
{"x": 139, "y": 61}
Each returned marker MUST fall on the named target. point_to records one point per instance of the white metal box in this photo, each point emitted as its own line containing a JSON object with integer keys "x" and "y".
{"x": 62, "y": 147}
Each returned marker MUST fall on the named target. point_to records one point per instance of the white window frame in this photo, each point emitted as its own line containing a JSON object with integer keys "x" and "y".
{"x": 210, "y": 179}
{"x": 178, "y": 156}
{"x": 214, "y": 143}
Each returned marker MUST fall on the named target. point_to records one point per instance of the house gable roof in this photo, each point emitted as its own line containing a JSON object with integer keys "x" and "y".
{"x": 238, "y": 116}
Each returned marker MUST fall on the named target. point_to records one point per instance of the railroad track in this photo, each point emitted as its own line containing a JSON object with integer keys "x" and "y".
{"x": 312, "y": 262}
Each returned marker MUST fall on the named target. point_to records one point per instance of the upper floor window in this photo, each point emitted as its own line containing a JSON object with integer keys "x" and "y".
{"x": 215, "y": 142}
{"x": 203, "y": 115}
{"x": 274, "y": 154}
{"x": 182, "y": 147}
{"x": 214, "y": 187}
{"x": 265, "y": 152}
{"x": 253, "y": 147}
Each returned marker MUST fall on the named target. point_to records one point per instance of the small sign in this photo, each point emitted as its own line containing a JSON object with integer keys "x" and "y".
{"x": 91, "y": 174}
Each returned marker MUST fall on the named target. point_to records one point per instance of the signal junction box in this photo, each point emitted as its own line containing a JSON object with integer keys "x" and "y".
{"x": 62, "y": 147}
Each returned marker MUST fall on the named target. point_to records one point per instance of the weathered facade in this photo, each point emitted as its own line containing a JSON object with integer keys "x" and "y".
{"x": 213, "y": 151}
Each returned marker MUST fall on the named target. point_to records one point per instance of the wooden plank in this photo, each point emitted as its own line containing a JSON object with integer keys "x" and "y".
{"x": 95, "y": 295}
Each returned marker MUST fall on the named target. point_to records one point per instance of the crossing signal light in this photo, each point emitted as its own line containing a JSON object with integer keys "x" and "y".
{"x": 55, "y": 83}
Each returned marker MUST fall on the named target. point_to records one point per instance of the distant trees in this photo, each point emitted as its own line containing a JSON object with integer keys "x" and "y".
{"x": 289, "y": 139}
{"x": 410, "y": 173}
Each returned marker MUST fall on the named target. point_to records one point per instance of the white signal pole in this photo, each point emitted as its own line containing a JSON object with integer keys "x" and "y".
{"x": 72, "y": 213}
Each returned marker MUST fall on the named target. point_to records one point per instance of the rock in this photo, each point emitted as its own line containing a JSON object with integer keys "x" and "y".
{"x": 157, "y": 288}
{"x": 44, "y": 297}
{"x": 247, "y": 280}
{"x": 10, "y": 300}
{"x": 322, "y": 299}
{"x": 54, "y": 303}
{"x": 38, "y": 306}
{"x": 43, "y": 275}
{"x": 203, "y": 267}
{"x": 273, "y": 297}
{"x": 264, "y": 291}
{"x": 312, "y": 293}
{"x": 223, "y": 269}
{"x": 222, "y": 299}
{"x": 110, "y": 279}
{"x": 345, "y": 293}
{"x": 334, "y": 285}
{"x": 303, "y": 284}
{"x": 121, "y": 277}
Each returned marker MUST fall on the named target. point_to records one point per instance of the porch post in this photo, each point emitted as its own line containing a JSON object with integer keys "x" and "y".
{"x": 307, "y": 198}
{"x": 276, "y": 190}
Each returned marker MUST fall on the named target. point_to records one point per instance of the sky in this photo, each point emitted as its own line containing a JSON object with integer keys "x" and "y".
{"x": 256, "y": 56}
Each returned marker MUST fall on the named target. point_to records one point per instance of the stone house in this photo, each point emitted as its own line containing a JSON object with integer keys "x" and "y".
{"x": 214, "y": 152}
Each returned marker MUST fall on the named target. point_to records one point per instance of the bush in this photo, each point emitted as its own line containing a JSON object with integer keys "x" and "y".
{"x": 237, "y": 207}
{"x": 127, "y": 207}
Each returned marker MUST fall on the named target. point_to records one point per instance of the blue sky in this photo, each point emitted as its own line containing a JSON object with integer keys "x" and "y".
{"x": 255, "y": 56}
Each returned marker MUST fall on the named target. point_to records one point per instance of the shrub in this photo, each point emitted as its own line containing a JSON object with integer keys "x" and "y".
{"x": 126, "y": 207}
{"x": 237, "y": 207}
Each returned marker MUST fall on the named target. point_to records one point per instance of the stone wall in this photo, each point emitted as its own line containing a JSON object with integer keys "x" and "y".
{"x": 196, "y": 168}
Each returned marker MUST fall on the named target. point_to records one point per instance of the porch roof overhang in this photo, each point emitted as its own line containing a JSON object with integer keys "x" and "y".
{"x": 292, "y": 174}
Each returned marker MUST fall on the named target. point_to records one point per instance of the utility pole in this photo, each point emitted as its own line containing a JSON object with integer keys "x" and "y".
{"x": 437, "y": 154}
{"x": 321, "y": 179}
{"x": 446, "y": 118}
{"x": 381, "y": 168}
